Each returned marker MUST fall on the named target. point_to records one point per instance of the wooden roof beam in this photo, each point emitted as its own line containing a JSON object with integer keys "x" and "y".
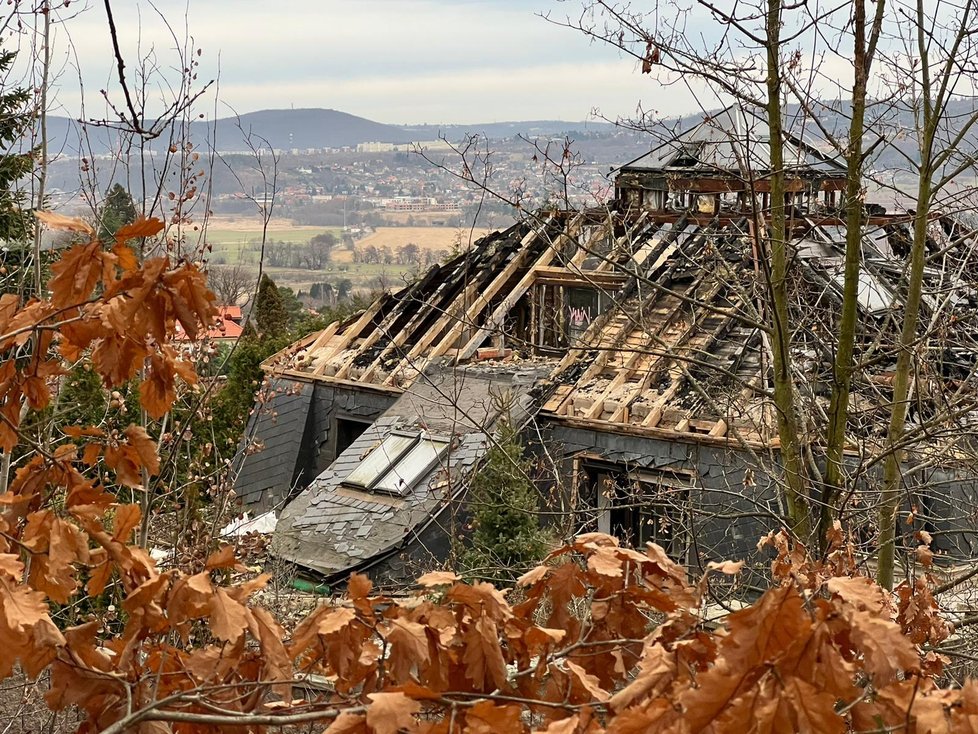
{"x": 408, "y": 330}
{"x": 382, "y": 329}
{"x": 499, "y": 314}
{"x": 600, "y": 324}
{"x": 354, "y": 331}
{"x": 679, "y": 343}
{"x": 483, "y": 298}
{"x": 418, "y": 350}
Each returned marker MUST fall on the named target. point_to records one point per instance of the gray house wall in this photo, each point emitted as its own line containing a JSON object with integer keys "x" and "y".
{"x": 729, "y": 507}
{"x": 291, "y": 438}
{"x": 735, "y": 502}
{"x": 269, "y": 451}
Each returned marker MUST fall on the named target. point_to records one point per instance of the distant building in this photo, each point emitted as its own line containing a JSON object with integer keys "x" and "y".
{"x": 418, "y": 204}
{"x": 375, "y": 147}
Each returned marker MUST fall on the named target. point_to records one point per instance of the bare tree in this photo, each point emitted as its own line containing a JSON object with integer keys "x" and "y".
{"x": 939, "y": 52}
{"x": 230, "y": 283}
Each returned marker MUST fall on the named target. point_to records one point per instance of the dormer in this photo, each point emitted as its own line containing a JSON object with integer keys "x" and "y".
{"x": 722, "y": 164}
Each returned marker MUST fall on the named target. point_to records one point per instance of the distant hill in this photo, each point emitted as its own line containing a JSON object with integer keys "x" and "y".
{"x": 306, "y": 128}
{"x": 310, "y": 128}
{"x": 529, "y": 128}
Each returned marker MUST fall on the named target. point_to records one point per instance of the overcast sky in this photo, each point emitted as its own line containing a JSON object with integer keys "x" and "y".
{"x": 395, "y": 61}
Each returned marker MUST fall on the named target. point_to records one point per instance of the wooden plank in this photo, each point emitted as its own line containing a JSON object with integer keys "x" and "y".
{"x": 600, "y": 324}
{"x": 621, "y": 377}
{"x": 631, "y": 429}
{"x": 583, "y": 278}
{"x": 352, "y": 333}
{"x": 673, "y": 319}
{"x": 417, "y": 352}
{"x": 373, "y": 337}
{"x": 408, "y": 298}
{"x": 613, "y": 333}
{"x": 324, "y": 336}
{"x": 627, "y": 369}
{"x": 497, "y": 316}
{"x": 353, "y": 384}
{"x": 678, "y": 376}
{"x": 555, "y": 400}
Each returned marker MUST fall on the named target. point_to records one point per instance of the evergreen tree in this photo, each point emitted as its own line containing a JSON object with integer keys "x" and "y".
{"x": 507, "y": 538}
{"x": 271, "y": 316}
{"x": 117, "y": 211}
{"x": 14, "y": 166}
{"x": 16, "y": 223}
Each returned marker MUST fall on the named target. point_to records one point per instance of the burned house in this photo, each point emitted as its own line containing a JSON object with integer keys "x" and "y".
{"x": 627, "y": 343}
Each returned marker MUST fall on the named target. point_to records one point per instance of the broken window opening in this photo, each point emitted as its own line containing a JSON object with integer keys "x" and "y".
{"x": 348, "y": 430}
{"x": 398, "y": 463}
{"x": 583, "y": 306}
{"x": 640, "y": 506}
{"x": 561, "y": 314}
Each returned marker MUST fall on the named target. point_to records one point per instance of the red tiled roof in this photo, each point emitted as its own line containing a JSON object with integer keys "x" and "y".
{"x": 224, "y": 328}
{"x": 231, "y": 313}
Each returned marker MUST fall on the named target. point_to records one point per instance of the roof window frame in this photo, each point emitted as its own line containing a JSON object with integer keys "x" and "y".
{"x": 380, "y": 480}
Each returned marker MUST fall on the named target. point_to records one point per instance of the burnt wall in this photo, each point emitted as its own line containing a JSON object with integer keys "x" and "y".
{"x": 731, "y": 504}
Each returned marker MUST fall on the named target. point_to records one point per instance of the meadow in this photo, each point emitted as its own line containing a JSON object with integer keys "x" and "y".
{"x": 237, "y": 240}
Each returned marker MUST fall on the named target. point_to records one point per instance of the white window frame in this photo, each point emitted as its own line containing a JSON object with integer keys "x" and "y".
{"x": 382, "y": 479}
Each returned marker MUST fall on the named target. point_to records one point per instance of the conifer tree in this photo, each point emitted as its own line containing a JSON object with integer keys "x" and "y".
{"x": 16, "y": 234}
{"x": 14, "y": 166}
{"x": 117, "y": 211}
{"x": 507, "y": 538}
{"x": 271, "y": 316}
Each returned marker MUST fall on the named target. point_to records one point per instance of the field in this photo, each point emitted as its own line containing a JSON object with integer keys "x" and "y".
{"x": 231, "y": 237}
{"x": 426, "y": 238}
{"x": 236, "y": 241}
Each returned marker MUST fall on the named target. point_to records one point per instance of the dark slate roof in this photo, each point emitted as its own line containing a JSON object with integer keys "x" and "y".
{"x": 461, "y": 398}
{"x": 270, "y": 448}
{"x": 332, "y": 528}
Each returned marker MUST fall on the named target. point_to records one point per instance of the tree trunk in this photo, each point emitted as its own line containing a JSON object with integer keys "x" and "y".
{"x": 795, "y": 476}
{"x": 838, "y": 416}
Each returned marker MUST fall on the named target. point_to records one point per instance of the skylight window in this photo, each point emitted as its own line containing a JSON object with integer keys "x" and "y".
{"x": 380, "y": 459}
{"x": 398, "y": 463}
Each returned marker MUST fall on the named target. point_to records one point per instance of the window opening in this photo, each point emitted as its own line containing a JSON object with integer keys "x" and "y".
{"x": 641, "y": 506}
{"x": 583, "y": 306}
{"x": 348, "y": 431}
{"x": 562, "y": 314}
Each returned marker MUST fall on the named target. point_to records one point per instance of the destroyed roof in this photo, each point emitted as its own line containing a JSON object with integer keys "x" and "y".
{"x": 734, "y": 140}
{"x": 647, "y": 315}
{"x": 672, "y": 346}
